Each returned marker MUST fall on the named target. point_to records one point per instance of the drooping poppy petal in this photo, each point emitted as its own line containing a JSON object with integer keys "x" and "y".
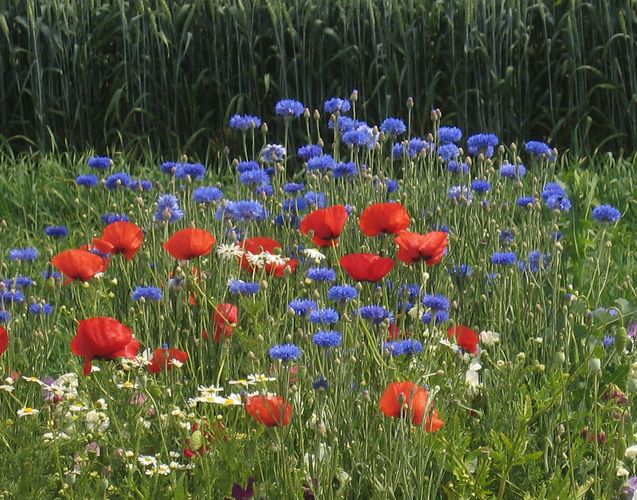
{"x": 465, "y": 337}
{"x": 406, "y": 399}
{"x": 78, "y": 264}
{"x": 384, "y": 218}
{"x": 124, "y": 237}
{"x": 225, "y": 319}
{"x": 164, "y": 359}
{"x": 103, "y": 338}
{"x": 269, "y": 410}
{"x": 189, "y": 243}
{"x": 367, "y": 266}
{"x": 4, "y": 340}
{"x": 326, "y": 225}
{"x": 415, "y": 247}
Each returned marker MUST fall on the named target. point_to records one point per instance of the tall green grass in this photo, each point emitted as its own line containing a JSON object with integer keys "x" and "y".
{"x": 153, "y": 74}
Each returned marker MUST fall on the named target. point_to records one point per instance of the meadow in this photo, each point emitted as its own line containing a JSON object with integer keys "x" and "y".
{"x": 330, "y": 310}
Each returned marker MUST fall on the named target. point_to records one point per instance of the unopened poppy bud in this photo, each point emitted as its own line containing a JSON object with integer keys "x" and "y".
{"x": 560, "y": 357}
{"x": 264, "y": 284}
{"x": 306, "y": 113}
{"x": 251, "y": 355}
{"x": 595, "y": 366}
{"x": 410, "y": 102}
{"x": 264, "y": 128}
{"x": 317, "y": 115}
{"x": 354, "y": 96}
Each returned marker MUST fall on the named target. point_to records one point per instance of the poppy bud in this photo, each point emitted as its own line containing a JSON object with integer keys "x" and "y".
{"x": 595, "y": 366}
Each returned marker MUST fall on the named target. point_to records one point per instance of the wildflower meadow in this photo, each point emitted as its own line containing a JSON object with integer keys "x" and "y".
{"x": 325, "y": 308}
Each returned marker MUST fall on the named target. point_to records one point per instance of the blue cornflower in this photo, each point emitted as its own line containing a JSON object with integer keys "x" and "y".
{"x": 437, "y": 316}
{"x": 462, "y": 271}
{"x": 111, "y": 217}
{"x": 37, "y": 308}
{"x": 417, "y": 146}
{"x": 271, "y": 153}
{"x": 100, "y": 162}
{"x": 412, "y": 291}
{"x": 324, "y": 316}
{"x": 406, "y": 347}
{"x": 537, "y": 148}
{"x": 361, "y": 136}
{"x": 243, "y": 210}
{"x": 321, "y": 274}
{"x": 348, "y": 169}
{"x": 289, "y": 108}
{"x": 606, "y": 214}
{"x": 309, "y": 151}
{"x": 329, "y": 338}
{"x": 168, "y": 209}
{"x": 119, "y": 180}
{"x": 241, "y": 287}
{"x": 342, "y": 293}
{"x": 207, "y": 194}
{"x": 503, "y": 258}
{"x": 456, "y": 167}
{"x": 346, "y": 124}
{"x": 320, "y": 383}
{"x": 147, "y": 293}
{"x": 337, "y": 104}
{"x": 557, "y": 235}
{"x": 18, "y": 282}
{"x": 449, "y": 134}
{"x": 609, "y": 341}
{"x": 51, "y": 274}
{"x": 375, "y": 314}
{"x": 553, "y": 189}
{"x": 169, "y": 167}
{"x": 5, "y": 316}
{"x": 399, "y": 149}
{"x": 560, "y": 203}
{"x": 11, "y": 297}
{"x": 437, "y": 302}
{"x": 56, "y": 231}
{"x": 506, "y": 237}
{"x": 323, "y": 162}
{"x": 294, "y": 205}
{"x": 285, "y": 352}
{"x": 140, "y": 185}
{"x": 87, "y": 180}
{"x": 194, "y": 171}
{"x": 394, "y": 126}
{"x": 392, "y": 186}
{"x": 244, "y": 122}
{"x": 537, "y": 261}
{"x": 525, "y": 201}
{"x": 482, "y": 143}
{"x": 302, "y": 306}
{"x": 294, "y": 187}
{"x": 461, "y": 194}
{"x": 511, "y": 171}
{"x": 480, "y": 185}
{"x": 254, "y": 177}
{"x": 28, "y": 254}
{"x": 315, "y": 199}
{"x": 246, "y": 166}
{"x": 264, "y": 190}
{"x": 448, "y": 151}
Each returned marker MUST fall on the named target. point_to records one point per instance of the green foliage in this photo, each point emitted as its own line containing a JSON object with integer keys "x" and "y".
{"x": 155, "y": 75}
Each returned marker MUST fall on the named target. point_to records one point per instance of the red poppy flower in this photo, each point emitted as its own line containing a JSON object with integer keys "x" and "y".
{"x": 4, "y": 340}
{"x": 414, "y": 247}
{"x": 120, "y": 237}
{"x": 79, "y": 264}
{"x": 225, "y": 319}
{"x": 326, "y": 223}
{"x": 103, "y": 338}
{"x": 406, "y": 399}
{"x": 381, "y": 218}
{"x": 269, "y": 410}
{"x": 163, "y": 359}
{"x": 367, "y": 266}
{"x": 465, "y": 337}
{"x": 190, "y": 243}
{"x": 258, "y": 245}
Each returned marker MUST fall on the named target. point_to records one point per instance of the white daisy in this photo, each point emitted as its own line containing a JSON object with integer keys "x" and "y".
{"x": 28, "y": 411}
